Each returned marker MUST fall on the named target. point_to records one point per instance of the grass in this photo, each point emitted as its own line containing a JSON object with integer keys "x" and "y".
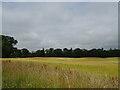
{"x": 49, "y": 72}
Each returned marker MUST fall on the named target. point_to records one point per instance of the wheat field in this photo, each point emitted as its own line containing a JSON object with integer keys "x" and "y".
{"x": 54, "y": 72}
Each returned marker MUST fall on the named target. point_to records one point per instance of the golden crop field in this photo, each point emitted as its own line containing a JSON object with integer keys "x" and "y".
{"x": 54, "y": 72}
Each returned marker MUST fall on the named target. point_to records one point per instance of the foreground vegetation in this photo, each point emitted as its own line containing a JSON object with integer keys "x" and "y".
{"x": 60, "y": 72}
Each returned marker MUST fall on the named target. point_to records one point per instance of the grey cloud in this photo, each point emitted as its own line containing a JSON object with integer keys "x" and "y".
{"x": 59, "y": 25}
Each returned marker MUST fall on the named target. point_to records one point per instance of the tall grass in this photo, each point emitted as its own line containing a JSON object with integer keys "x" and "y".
{"x": 18, "y": 74}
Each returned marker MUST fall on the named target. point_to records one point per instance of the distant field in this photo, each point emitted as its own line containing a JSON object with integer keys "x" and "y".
{"x": 51, "y": 72}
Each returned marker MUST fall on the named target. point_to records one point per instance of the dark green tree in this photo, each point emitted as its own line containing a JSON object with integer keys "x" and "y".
{"x": 43, "y": 53}
{"x": 25, "y": 52}
{"x": 58, "y": 52}
{"x": 49, "y": 52}
{"x": 16, "y": 53}
{"x": 67, "y": 52}
{"x": 8, "y": 44}
{"x": 77, "y": 52}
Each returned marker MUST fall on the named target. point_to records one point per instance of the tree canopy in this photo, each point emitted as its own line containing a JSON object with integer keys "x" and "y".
{"x": 8, "y": 44}
{"x": 9, "y": 50}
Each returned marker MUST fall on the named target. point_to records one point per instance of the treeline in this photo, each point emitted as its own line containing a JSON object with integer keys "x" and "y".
{"x": 9, "y": 50}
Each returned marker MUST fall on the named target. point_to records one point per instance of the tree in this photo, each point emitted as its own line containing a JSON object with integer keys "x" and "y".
{"x": 8, "y": 44}
{"x": 49, "y": 52}
{"x": 67, "y": 52}
{"x": 25, "y": 52}
{"x": 38, "y": 53}
{"x": 16, "y": 53}
{"x": 0, "y": 46}
{"x": 43, "y": 53}
{"x": 58, "y": 53}
{"x": 77, "y": 52}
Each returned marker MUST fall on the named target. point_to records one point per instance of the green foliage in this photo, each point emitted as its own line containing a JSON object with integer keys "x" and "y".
{"x": 39, "y": 53}
{"x": 8, "y": 50}
{"x": 49, "y": 52}
{"x": 16, "y": 53}
{"x": 25, "y": 52}
{"x": 58, "y": 52}
{"x": 8, "y": 44}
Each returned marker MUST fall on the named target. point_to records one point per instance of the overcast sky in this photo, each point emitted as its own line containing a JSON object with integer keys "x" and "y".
{"x": 39, "y": 25}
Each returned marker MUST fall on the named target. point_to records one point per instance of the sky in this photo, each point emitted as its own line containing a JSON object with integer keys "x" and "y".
{"x": 38, "y": 25}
